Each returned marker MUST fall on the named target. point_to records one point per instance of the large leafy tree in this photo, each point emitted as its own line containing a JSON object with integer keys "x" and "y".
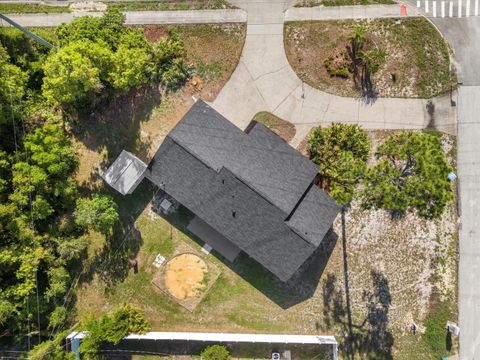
{"x": 341, "y": 152}
{"x": 100, "y": 57}
{"x": 99, "y": 213}
{"x": 107, "y": 29}
{"x": 74, "y": 74}
{"x": 411, "y": 174}
{"x": 41, "y": 181}
{"x": 132, "y": 67}
{"x": 12, "y": 88}
{"x": 36, "y": 190}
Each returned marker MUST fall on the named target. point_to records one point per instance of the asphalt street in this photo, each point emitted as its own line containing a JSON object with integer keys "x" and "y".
{"x": 463, "y": 35}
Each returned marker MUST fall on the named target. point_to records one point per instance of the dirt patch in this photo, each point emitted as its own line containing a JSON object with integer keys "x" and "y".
{"x": 184, "y": 276}
{"x": 214, "y": 52}
{"x": 416, "y": 56}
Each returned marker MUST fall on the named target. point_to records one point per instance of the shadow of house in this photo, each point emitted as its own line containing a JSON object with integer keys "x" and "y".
{"x": 300, "y": 287}
{"x": 255, "y": 191}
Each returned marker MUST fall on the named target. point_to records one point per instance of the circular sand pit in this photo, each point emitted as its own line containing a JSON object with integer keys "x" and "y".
{"x": 185, "y": 276}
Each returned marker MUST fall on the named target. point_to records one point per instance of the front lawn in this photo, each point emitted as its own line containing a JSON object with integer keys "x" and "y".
{"x": 416, "y": 64}
{"x": 17, "y": 8}
{"x": 170, "y": 5}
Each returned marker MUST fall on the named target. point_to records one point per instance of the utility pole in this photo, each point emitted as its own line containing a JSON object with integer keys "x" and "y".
{"x": 26, "y": 32}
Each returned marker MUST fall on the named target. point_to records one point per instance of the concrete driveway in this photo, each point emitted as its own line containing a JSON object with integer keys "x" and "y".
{"x": 264, "y": 81}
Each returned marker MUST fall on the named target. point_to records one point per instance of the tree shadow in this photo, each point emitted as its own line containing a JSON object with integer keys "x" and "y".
{"x": 300, "y": 287}
{"x": 111, "y": 262}
{"x": 448, "y": 341}
{"x": 369, "y": 338}
{"x": 116, "y": 127}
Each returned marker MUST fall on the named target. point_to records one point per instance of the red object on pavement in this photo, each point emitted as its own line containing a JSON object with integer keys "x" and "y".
{"x": 403, "y": 10}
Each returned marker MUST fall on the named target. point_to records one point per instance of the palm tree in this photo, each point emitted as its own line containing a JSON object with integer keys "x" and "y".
{"x": 357, "y": 43}
{"x": 371, "y": 61}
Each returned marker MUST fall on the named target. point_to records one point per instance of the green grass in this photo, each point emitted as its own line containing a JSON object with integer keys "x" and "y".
{"x": 431, "y": 57}
{"x": 170, "y": 5}
{"x": 435, "y": 321}
{"x": 15, "y": 8}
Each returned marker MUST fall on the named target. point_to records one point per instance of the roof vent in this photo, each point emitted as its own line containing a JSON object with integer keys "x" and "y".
{"x": 234, "y": 213}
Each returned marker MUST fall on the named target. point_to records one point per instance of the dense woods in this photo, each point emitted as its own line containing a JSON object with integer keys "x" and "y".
{"x": 44, "y": 217}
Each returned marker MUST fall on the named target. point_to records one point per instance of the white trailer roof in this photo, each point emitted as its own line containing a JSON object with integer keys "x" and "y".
{"x": 228, "y": 337}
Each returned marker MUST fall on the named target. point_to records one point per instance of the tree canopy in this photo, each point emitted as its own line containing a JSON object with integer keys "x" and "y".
{"x": 341, "y": 151}
{"x": 112, "y": 328}
{"x": 100, "y": 57}
{"x": 411, "y": 174}
{"x": 12, "y": 87}
{"x": 98, "y": 213}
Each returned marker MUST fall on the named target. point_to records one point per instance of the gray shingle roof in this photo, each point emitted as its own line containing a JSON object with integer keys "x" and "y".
{"x": 314, "y": 215}
{"x": 245, "y": 186}
{"x": 262, "y": 159}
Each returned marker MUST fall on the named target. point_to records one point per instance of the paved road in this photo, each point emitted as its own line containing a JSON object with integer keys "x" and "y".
{"x": 140, "y": 17}
{"x": 449, "y": 8}
{"x": 264, "y": 81}
{"x": 464, "y": 37}
{"x": 469, "y": 178}
{"x": 347, "y": 12}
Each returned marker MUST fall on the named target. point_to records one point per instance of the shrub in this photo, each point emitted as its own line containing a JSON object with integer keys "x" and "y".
{"x": 215, "y": 352}
{"x": 334, "y": 69}
{"x": 112, "y": 329}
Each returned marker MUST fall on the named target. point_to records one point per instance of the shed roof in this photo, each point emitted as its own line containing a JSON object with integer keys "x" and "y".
{"x": 125, "y": 173}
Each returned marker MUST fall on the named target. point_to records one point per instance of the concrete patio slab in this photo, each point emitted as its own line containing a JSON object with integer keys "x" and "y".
{"x": 213, "y": 238}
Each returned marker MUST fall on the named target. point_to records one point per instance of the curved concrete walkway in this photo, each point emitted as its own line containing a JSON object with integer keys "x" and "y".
{"x": 264, "y": 81}
{"x": 138, "y": 17}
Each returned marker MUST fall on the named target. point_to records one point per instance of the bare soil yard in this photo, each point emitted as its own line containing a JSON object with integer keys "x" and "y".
{"x": 184, "y": 275}
{"x": 416, "y": 63}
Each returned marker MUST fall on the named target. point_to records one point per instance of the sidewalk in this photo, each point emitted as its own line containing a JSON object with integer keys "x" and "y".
{"x": 347, "y": 12}
{"x": 140, "y": 17}
{"x": 264, "y": 81}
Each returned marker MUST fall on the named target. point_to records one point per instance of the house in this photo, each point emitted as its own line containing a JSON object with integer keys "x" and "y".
{"x": 248, "y": 189}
